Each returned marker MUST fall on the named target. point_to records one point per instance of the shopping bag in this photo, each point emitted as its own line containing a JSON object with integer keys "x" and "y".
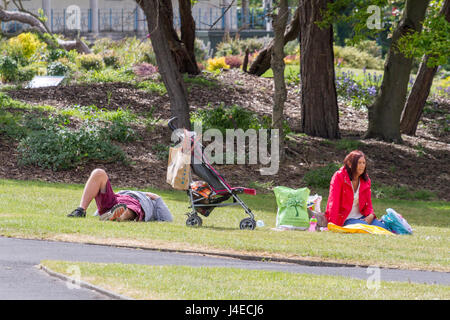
{"x": 396, "y": 223}
{"x": 179, "y": 167}
{"x": 292, "y": 207}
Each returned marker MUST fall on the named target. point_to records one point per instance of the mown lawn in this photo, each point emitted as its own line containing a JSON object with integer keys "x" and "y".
{"x": 208, "y": 283}
{"x": 38, "y": 210}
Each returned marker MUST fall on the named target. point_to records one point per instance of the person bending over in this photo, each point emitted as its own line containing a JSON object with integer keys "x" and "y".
{"x": 126, "y": 205}
{"x": 350, "y": 199}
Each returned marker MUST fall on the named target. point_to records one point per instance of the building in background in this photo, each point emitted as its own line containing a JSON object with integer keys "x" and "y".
{"x": 121, "y": 18}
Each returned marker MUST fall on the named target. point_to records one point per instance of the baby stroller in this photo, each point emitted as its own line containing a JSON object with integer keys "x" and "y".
{"x": 214, "y": 190}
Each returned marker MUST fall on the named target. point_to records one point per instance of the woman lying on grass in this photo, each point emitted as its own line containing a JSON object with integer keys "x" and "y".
{"x": 125, "y": 205}
{"x": 350, "y": 200}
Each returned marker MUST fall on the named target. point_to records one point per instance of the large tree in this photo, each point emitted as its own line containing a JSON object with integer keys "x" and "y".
{"x": 277, "y": 62}
{"x": 159, "y": 13}
{"x": 385, "y": 112}
{"x": 434, "y": 41}
{"x": 318, "y": 91}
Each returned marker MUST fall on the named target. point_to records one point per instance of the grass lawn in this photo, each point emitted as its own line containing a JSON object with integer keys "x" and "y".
{"x": 38, "y": 210}
{"x": 208, "y": 283}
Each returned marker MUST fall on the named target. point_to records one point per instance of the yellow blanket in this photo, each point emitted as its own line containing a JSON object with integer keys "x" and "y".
{"x": 358, "y": 228}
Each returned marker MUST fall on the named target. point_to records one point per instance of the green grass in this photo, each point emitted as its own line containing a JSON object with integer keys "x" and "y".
{"x": 38, "y": 210}
{"x": 212, "y": 283}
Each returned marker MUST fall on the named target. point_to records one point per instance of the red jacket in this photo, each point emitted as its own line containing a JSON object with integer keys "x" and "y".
{"x": 340, "y": 199}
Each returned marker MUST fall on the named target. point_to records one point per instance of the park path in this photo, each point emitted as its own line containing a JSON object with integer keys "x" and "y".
{"x": 21, "y": 280}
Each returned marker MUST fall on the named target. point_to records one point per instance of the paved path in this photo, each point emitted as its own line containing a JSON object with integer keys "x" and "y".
{"x": 20, "y": 279}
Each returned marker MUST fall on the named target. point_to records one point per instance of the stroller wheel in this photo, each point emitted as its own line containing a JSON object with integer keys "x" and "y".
{"x": 194, "y": 221}
{"x": 247, "y": 223}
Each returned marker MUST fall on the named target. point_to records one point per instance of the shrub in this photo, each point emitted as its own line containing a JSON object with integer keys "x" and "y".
{"x": 321, "y": 177}
{"x": 55, "y": 54}
{"x": 223, "y": 117}
{"x": 202, "y": 51}
{"x": 91, "y": 61}
{"x": 25, "y": 47}
{"x": 145, "y": 70}
{"x": 354, "y": 58}
{"x": 60, "y": 148}
{"x": 57, "y": 69}
{"x": 111, "y": 59}
{"x": 8, "y": 69}
{"x": 234, "y": 61}
{"x": 232, "y": 47}
{"x": 217, "y": 64}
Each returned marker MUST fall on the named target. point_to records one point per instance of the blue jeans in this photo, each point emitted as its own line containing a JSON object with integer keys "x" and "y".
{"x": 375, "y": 222}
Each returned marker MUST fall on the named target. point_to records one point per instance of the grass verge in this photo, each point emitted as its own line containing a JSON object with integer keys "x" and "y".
{"x": 39, "y": 209}
{"x": 213, "y": 283}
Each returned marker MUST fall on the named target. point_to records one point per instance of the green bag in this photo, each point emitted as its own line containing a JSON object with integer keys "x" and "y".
{"x": 292, "y": 207}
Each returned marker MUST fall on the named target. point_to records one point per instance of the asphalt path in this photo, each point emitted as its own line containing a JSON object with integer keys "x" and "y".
{"x": 20, "y": 279}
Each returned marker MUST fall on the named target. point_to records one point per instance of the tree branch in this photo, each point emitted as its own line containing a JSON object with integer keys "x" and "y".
{"x": 37, "y": 26}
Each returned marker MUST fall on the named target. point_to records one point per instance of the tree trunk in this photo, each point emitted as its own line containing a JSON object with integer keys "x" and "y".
{"x": 262, "y": 61}
{"x": 244, "y": 14}
{"x": 417, "y": 98}
{"x": 277, "y": 62}
{"x": 37, "y": 26}
{"x": 318, "y": 91}
{"x": 188, "y": 36}
{"x": 384, "y": 114}
{"x": 157, "y": 18}
{"x": 421, "y": 89}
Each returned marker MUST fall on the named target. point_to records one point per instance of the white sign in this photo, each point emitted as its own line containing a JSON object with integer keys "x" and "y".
{"x": 73, "y": 17}
{"x": 45, "y": 81}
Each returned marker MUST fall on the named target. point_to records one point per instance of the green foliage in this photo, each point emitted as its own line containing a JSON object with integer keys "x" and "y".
{"x": 399, "y": 192}
{"x": 111, "y": 59}
{"x": 227, "y": 117}
{"x": 57, "y": 147}
{"x": 347, "y": 145}
{"x": 354, "y": 58}
{"x": 56, "y": 53}
{"x": 91, "y": 61}
{"x": 233, "y": 47}
{"x": 57, "y": 68}
{"x": 432, "y": 41}
{"x": 25, "y": 48}
{"x": 9, "y": 69}
{"x": 321, "y": 177}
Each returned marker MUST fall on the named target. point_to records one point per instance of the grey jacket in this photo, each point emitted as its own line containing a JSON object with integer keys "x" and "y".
{"x": 155, "y": 210}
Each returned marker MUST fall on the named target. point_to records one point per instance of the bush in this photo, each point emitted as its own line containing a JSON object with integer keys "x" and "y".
{"x": 25, "y": 47}
{"x": 217, "y": 64}
{"x": 234, "y": 61}
{"x": 145, "y": 70}
{"x": 233, "y": 47}
{"x": 56, "y": 54}
{"x": 91, "y": 61}
{"x": 111, "y": 59}
{"x": 57, "y": 69}
{"x": 223, "y": 117}
{"x": 8, "y": 69}
{"x": 60, "y": 148}
{"x": 354, "y": 58}
{"x": 321, "y": 177}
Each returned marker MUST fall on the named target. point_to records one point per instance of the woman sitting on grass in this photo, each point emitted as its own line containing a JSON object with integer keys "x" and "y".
{"x": 350, "y": 200}
{"x": 126, "y": 205}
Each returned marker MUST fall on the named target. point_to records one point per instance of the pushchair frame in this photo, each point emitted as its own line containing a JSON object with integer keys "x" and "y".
{"x": 199, "y": 202}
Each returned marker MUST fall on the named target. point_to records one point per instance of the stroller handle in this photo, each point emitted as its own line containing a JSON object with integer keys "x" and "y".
{"x": 171, "y": 125}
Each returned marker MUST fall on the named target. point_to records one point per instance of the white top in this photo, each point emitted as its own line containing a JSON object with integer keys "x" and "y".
{"x": 355, "y": 214}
